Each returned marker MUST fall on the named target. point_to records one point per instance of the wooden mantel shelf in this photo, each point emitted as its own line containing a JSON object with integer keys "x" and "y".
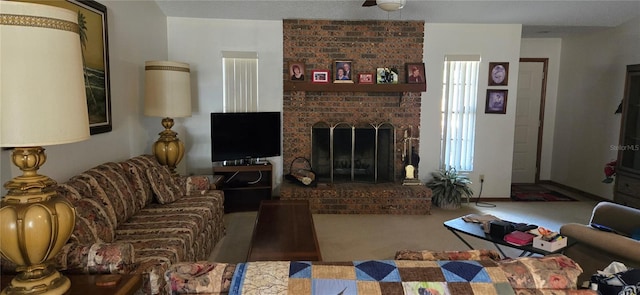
{"x": 353, "y": 87}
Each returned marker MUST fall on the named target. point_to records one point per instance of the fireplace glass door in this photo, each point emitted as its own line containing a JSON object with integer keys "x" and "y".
{"x": 347, "y": 153}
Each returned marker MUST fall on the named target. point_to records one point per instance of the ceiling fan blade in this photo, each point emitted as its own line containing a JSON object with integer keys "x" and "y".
{"x": 368, "y": 3}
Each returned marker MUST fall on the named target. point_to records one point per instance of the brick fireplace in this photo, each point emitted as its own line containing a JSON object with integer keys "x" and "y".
{"x": 369, "y": 45}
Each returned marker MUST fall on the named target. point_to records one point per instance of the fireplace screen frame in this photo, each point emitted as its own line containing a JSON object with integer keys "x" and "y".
{"x": 339, "y": 163}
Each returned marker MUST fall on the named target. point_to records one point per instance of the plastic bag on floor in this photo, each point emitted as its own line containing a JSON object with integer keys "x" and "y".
{"x": 616, "y": 279}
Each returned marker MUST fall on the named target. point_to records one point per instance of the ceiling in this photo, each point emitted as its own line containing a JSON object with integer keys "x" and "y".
{"x": 539, "y": 18}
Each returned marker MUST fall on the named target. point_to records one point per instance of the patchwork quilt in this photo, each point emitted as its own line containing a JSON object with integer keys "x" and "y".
{"x": 371, "y": 277}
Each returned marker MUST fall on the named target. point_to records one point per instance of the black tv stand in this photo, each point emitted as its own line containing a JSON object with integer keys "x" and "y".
{"x": 245, "y": 186}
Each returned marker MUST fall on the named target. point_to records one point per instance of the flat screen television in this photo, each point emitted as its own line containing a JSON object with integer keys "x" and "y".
{"x": 242, "y": 137}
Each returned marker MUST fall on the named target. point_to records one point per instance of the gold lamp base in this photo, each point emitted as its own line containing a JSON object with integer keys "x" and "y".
{"x": 168, "y": 150}
{"x": 52, "y": 284}
{"x": 35, "y": 223}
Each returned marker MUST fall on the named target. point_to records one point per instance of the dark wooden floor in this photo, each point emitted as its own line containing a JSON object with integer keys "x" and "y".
{"x": 284, "y": 230}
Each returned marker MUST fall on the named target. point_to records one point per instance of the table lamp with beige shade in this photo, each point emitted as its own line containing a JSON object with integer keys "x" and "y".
{"x": 42, "y": 102}
{"x": 167, "y": 95}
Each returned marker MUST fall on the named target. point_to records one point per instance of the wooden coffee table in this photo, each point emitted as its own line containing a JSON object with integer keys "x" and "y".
{"x": 284, "y": 231}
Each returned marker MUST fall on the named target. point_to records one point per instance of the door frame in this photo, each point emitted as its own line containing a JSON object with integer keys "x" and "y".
{"x": 543, "y": 95}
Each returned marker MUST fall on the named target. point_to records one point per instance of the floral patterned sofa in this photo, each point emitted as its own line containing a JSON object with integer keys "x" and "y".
{"x": 135, "y": 217}
{"x": 412, "y": 272}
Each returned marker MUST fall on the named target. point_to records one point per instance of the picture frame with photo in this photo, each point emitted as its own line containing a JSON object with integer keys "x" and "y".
{"x": 365, "y": 78}
{"x": 343, "y": 71}
{"x": 296, "y": 71}
{"x": 386, "y": 76}
{"x": 498, "y": 73}
{"x": 320, "y": 76}
{"x": 415, "y": 73}
{"x": 496, "y": 101}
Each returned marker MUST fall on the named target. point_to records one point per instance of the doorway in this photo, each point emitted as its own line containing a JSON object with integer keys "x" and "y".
{"x": 529, "y": 122}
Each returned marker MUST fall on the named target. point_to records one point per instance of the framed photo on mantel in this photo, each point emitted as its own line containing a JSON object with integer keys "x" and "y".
{"x": 415, "y": 73}
{"x": 343, "y": 72}
{"x": 296, "y": 71}
{"x": 320, "y": 76}
{"x": 365, "y": 78}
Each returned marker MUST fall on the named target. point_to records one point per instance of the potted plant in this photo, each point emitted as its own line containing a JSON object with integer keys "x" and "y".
{"x": 448, "y": 187}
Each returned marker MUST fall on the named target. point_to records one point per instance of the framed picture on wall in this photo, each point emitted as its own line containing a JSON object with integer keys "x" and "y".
{"x": 496, "y": 101}
{"x": 343, "y": 72}
{"x": 296, "y": 71}
{"x": 320, "y": 76}
{"x": 498, "y": 73}
{"x": 415, "y": 73}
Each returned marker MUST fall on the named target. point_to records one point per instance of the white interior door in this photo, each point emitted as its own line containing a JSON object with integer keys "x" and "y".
{"x": 525, "y": 146}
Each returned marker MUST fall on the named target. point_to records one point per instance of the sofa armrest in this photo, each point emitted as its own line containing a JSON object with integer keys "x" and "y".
{"x": 196, "y": 184}
{"x": 621, "y": 218}
{"x": 606, "y": 241}
{"x": 447, "y": 255}
{"x": 96, "y": 258}
{"x": 199, "y": 277}
{"x": 554, "y": 271}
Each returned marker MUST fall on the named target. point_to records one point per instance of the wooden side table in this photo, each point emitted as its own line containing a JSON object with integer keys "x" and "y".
{"x": 86, "y": 284}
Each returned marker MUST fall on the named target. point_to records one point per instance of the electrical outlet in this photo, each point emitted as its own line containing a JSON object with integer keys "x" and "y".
{"x": 481, "y": 177}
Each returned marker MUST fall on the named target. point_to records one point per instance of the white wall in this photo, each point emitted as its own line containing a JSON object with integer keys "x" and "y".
{"x": 591, "y": 86}
{"x": 546, "y": 48}
{"x": 131, "y": 42}
{"x": 494, "y": 132}
{"x": 200, "y": 43}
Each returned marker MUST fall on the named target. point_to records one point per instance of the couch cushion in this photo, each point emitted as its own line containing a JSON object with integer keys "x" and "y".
{"x": 171, "y": 228}
{"x": 115, "y": 189}
{"x": 549, "y": 272}
{"x": 164, "y": 186}
{"x": 110, "y": 188}
{"x": 160, "y": 234}
{"x": 142, "y": 163}
{"x": 92, "y": 224}
{"x": 139, "y": 184}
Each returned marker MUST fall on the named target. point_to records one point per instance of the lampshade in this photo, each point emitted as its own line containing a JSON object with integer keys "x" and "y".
{"x": 167, "y": 89}
{"x": 42, "y": 102}
{"x": 390, "y": 5}
{"x": 42, "y": 93}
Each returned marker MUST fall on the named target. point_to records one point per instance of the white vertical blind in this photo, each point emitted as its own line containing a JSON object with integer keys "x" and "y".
{"x": 240, "y": 81}
{"x": 459, "y": 100}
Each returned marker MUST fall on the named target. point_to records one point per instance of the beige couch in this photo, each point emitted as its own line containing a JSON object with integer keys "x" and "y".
{"x": 596, "y": 249}
{"x": 135, "y": 217}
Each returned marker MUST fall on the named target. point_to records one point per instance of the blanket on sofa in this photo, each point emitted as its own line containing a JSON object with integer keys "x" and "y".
{"x": 370, "y": 277}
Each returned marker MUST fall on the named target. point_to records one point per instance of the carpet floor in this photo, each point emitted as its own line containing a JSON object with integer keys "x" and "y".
{"x": 346, "y": 237}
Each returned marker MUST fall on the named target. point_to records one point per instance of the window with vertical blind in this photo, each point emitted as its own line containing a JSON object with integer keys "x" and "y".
{"x": 240, "y": 81}
{"x": 459, "y": 100}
